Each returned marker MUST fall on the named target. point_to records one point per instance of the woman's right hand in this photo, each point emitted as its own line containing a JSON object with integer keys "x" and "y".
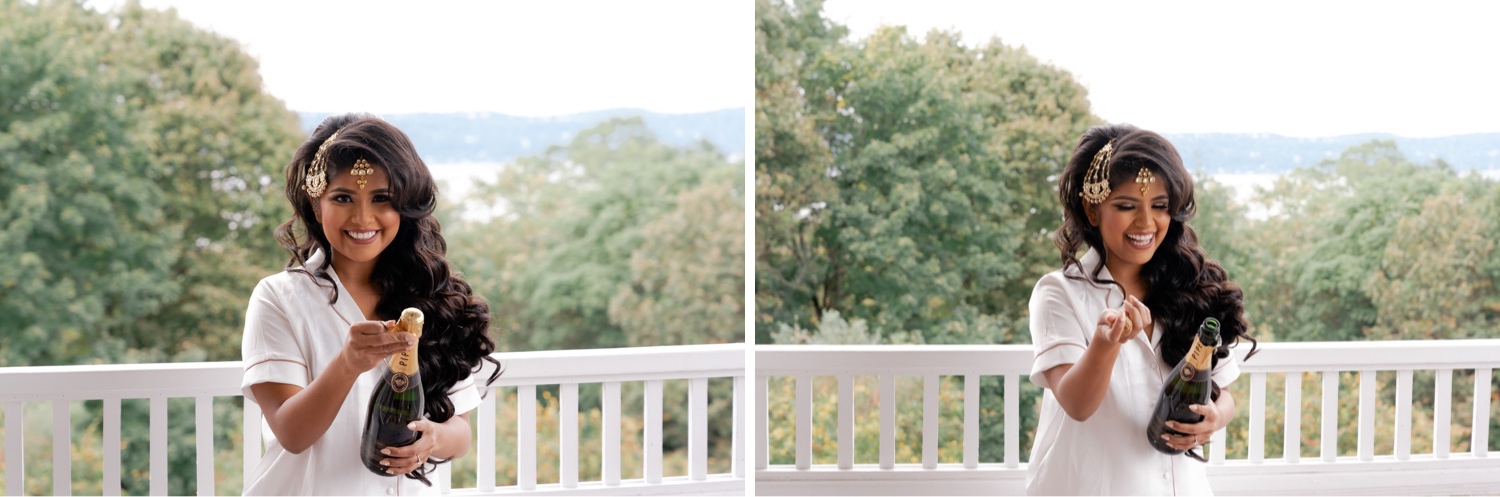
{"x": 369, "y": 343}
{"x": 1118, "y": 326}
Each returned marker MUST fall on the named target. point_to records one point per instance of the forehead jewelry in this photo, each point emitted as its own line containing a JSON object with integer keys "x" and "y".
{"x": 1145, "y": 178}
{"x": 362, "y": 169}
{"x": 1096, "y": 180}
{"x": 316, "y": 177}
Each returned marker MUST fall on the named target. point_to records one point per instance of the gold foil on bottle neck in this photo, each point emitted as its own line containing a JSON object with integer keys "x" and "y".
{"x": 405, "y": 362}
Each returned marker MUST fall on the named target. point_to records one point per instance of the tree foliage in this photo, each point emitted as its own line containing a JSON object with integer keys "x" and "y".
{"x": 612, "y": 240}
{"x": 931, "y": 205}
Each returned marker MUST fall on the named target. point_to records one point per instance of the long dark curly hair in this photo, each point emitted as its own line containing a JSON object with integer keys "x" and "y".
{"x": 413, "y": 271}
{"x": 1185, "y": 286}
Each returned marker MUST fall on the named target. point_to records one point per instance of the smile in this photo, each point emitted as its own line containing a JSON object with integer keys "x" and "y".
{"x": 362, "y": 236}
{"x": 1141, "y": 241}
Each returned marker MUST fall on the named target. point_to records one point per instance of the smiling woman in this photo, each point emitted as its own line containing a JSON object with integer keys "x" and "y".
{"x": 364, "y": 246}
{"x": 1109, "y": 326}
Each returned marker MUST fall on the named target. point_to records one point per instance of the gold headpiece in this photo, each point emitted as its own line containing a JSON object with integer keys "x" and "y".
{"x": 1096, "y": 180}
{"x": 317, "y": 171}
{"x": 362, "y": 169}
{"x": 1145, "y": 178}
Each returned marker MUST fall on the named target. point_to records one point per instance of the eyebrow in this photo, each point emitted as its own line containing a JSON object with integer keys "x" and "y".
{"x": 1133, "y": 198}
{"x": 386, "y": 191}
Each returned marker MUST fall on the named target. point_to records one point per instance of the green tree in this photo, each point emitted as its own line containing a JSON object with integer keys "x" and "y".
{"x": 792, "y": 185}
{"x": 941, "y": 165}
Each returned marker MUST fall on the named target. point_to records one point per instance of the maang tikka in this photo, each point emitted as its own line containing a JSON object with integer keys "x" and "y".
{"x": 362, "y": 169}
{"x": 1145, "y": 178}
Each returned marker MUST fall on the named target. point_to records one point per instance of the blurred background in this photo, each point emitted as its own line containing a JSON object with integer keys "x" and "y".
{"x": 1346, "y": 160}
{"x": 591, "y": 157}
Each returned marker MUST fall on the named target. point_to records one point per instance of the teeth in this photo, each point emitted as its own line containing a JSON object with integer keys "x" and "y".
{"x": 361, "y": 235}
{"x": 1141, "y": 238}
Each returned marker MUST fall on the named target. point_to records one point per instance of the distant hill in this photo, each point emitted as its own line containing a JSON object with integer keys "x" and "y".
{"x": 1218, "y": 153}
{"x": 491, "y": 137}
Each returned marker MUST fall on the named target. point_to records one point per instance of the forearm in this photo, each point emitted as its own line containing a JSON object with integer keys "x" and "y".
{"x": 453, "y": 438}
{"x": 1083, "y": 387}
{"x": 1224, "y": 407}
{"x": 304, "y": 417}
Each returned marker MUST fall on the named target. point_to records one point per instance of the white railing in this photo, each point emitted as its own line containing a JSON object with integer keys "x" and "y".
{"x": 525, "y": 371}
{"x": 1439, "y": 472}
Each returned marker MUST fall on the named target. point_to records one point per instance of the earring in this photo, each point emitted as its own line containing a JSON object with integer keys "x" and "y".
{"x": 362, "y": 169}
{"x": 1145, "y": 178}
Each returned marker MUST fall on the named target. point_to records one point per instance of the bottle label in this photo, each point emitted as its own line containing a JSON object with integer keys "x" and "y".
{"x": 404, "y": 362}
{"x": 1199, "y": 358}
{"x": 400, "y": 382}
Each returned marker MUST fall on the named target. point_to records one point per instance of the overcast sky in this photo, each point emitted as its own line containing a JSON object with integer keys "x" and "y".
{"x": 1307, "y": 69}
{"x": 535, "y": 58}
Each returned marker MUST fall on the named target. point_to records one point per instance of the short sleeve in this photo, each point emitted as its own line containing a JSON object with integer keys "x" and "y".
{"x": 1056, "y": 336}
{"x": 464, "y": 395}
{"x": 1227, "y": 370}
{"x": 269, "y": 349}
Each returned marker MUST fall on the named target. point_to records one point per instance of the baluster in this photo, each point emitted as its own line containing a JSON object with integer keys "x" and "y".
{"x": 1442, "y": 412}
{"x": 443, "y": 478}
{"x": 698, "y": 429}
{"x": 846, "y": 421}
{"x": 804, "y": 421}
{"x": 929, "y": 421}
{"x": 484, "y": 462}
{"x": 252, "y": 425}
{"x": 62, "y": 448}
{"x": 1216, "y": 449}
{"x": 567, "y": 419}
{"x": 736, "y": 440}
{"x": 887, "y": 421}
{"x": 1292, "y": 419}
{"x": 1012, "y": 393}
{"x": 1257, "y": 417}
{"x": 1330, "y": 433}
{"x": 1481, "y": 441}
{"x": 526, "y": 436}
{"x": 15, "y": 458}
{"x": 971, "y": 421}
{"x": 111, "y": 484}
{"x": 203, "y": 410}
{"x": 158, "y": 446}
{"x": 762, "y": 426}
{"x": 652, "y": 448}
{"x": 1366, "y": 434}
{"x": 610, "y": 399}
{"x": 1403, "y": 415}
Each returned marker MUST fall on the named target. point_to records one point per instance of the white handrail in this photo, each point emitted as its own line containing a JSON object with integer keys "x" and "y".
{"x": 804, "y": 363}
{"x": 202, "y": 382}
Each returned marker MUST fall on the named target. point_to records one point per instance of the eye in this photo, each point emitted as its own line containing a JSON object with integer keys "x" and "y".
{"x": 1160, "y": 206}
{"x": 1125, "y": 207}
{"x": 342, "y": 199}
{"x": 382, "y": 198}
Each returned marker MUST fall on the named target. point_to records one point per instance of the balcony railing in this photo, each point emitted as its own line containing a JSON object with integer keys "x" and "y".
{"x": 1250, "y": 472}
{"x": 526, "y": 371}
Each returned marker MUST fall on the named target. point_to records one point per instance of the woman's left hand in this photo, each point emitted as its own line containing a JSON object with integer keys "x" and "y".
{"x": 1194, "y": 434}
{"x": 403, "y": 460}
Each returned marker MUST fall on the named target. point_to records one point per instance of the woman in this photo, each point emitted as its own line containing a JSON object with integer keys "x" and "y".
{"x": 364, "y": 246}
{"x": 1110, "y": 326}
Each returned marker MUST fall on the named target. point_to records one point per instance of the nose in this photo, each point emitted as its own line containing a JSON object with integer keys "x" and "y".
{"x": 362, "y": 213}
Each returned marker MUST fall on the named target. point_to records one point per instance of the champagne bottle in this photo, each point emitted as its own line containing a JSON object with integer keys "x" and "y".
{"x": 1190, "y": 383}
{"x": 396, "y": 401}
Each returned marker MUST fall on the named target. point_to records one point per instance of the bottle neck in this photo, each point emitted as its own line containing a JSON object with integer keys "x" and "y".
{"x": 1201, "y": 355}
{"x": 405, "y": 362}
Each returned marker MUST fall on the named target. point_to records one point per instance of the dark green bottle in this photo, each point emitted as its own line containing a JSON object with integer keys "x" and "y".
{"x": 396, "y": 401}
{"x": 1190, "y": 383}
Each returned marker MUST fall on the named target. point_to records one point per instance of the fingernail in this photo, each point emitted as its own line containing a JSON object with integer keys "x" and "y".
{"x": 1164, "y": 437}
{"x": 411, "y": 426}
{"x": 385, "y": 462}
{"x": 385, "y": 451}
